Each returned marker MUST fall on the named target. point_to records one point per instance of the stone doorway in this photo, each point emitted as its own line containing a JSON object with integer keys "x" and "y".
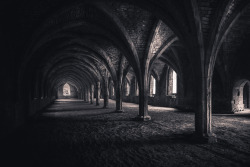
{"x": 240, "y": 98}
{"x": 246, "y": 95}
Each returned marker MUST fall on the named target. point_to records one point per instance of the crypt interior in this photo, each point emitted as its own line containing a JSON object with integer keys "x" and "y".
{"x": 125, "y": 83}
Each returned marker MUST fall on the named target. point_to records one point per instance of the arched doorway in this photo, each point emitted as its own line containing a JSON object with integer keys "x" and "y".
{"x": 66, "y": 90}
{"x": 246, "y": 95}
{"x": 240, "y": 97}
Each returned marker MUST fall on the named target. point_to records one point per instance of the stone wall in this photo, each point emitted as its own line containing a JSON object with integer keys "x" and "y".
{"x": 165, "y": 101}
{"x": 18, "y": 113}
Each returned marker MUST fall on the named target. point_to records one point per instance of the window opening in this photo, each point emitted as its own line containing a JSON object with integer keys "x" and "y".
{"x": 127, "y": 89}
{"x": 152, "y": 86}
{"x": 174, "y": 83}
{"x": 113, "y": 91}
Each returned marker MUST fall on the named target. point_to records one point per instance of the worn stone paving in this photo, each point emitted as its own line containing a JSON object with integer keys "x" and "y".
{"x": 74, "y": 133}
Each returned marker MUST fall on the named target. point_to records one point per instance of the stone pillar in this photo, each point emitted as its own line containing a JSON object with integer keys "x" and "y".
{"x": 106, "y": 93}
{"x": 87, "y": 95}
{"x": 91, "y": 94}
{"x": 118, "y": 95}
{"x": 203, "y": 117}
{"x": 143, "y": 101}
{"x": 133, "y": 87}
{"x": 119, "y": 88}
{"x": 110, "y": 90}
{"x": 98, "y": 93}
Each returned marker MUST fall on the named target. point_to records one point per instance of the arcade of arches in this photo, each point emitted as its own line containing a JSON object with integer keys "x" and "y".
{"x": 192, "y": 55}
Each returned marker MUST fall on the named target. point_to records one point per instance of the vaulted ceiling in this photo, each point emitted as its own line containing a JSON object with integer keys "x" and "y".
{"x": 82, "y": 42}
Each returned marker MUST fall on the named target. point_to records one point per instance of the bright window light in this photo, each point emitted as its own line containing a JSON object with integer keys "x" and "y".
{"x": 154, "y": 85}
{"x": 174, "y": 82}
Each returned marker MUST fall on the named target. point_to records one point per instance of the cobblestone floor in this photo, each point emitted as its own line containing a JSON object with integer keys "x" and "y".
{"x": 74, "y": 133}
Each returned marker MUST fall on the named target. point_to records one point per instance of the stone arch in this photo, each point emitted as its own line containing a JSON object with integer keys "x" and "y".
{"x": 67, "y": 90}
{"x": 237, "y": 95}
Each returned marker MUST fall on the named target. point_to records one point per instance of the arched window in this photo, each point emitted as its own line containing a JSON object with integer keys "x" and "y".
{"x": 127, "y": 89}
{"x": 152, "y": 86}
{"x": 172, "y": 82}
{"x": 136, "y": 88}
{"x": 241, "y": 93}
{"x": 66, "y": 90}
{"x": 113, "y": 91}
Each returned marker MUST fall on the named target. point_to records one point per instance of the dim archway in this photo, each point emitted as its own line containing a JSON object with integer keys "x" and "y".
{"x": 240, "y": 95}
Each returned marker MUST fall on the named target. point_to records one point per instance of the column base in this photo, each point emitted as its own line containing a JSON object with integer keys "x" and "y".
{"x": 104, "y": 107}
{"x": 211, "y": 138}
{"x": 205, "y": 138}
{"x": 142, "y": 118}
{"x": 119, "y": 111}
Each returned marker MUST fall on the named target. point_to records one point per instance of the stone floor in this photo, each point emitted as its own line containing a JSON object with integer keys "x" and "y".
{"x": 74, "y": 133}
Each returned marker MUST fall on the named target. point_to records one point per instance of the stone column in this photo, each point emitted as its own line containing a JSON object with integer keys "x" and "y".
{"x": 143, "y": 100}
{"x": 132, "y": 87}
{"x": 106, "y": 93}
{"x": 119, "y": 88}
{"x": 203, "y": 116}
{"x": 91, "y": 94}
{"x": 87, "y": 95}
{"x": 98, "y": 93}
{"x": 79, "y": 95}
{"x": 110, "y": 90}
{"x": 118, "y": 95}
